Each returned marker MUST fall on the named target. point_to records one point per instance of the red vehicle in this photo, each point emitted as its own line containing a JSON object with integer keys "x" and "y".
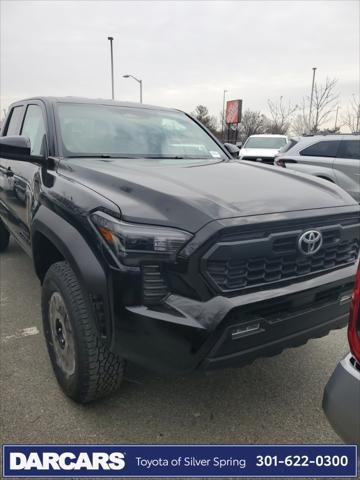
{"x": 341, "y": 401}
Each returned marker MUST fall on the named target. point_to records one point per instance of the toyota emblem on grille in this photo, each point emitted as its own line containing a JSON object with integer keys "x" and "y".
{"x": 310, "y": 242}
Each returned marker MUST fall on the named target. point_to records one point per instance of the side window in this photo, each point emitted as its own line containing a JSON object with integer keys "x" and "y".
{"x": 349, "y": 149}
{"x": 34, "y": 128}
{"x": 327, "y": 148}
{"x": 13, "y": 126}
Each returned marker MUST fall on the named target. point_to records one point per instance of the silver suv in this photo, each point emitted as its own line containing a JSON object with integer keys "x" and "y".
{"x": 333, "y": 157}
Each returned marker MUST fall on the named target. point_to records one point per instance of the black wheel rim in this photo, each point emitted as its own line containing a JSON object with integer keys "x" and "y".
{"x": 62, "y": 334}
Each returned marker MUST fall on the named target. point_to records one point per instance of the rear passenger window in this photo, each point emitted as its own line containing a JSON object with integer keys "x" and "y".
{"x": 14, "y": 124}
{"x": 349, "y": 149}
{"x": 322, "y": 149}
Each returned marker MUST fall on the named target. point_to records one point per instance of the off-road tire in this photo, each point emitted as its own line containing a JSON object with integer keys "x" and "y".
{"x": 97, "y": 371}
{"x": 4, "y": 237}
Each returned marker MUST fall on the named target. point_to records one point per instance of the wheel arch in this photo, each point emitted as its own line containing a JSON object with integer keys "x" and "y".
{"x": 54, "y": 239}
{"x": 45, "y": 254}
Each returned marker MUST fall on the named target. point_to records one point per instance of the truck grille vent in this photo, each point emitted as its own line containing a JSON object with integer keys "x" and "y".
{"x": 154, "y": 286}
{"x": 240, "y": 260}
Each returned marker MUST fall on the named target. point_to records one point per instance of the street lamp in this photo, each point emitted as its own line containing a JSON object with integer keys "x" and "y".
{"x": 137, "y": 80}
{"x": 112, "y": 66}
{"x": 223, "y": 116}
{"x": 311, "y": 98}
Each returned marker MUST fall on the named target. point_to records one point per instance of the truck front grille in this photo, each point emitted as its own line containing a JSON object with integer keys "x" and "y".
{"x": 232, "y": 274}
{"x": 267, "y": 259}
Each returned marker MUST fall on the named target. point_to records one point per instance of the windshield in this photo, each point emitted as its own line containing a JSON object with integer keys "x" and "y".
{"x": 265, "y": 142}
{"x": 115, "y": 131}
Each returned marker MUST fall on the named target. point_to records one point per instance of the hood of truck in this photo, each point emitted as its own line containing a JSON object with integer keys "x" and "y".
{"x": 258, "y": 152}
{"x": 188, "y": 194}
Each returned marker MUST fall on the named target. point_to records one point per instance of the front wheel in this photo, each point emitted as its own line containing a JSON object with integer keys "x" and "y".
{"x": 84, "y": 367}
{"x": 4, "y": 237}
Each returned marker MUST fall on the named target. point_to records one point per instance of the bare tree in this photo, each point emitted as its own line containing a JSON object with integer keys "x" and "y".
{"x": 323, "y": 105}
{"x": 351, "y": 119}
{"x": 281, "y": 113}
{"x": 252, "y": 123}
{"x": 324, "y": 100}
{"x": 299, "y": 125}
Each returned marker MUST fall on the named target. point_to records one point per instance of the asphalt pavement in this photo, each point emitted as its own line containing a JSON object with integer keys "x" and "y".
{"x": 274, "y": 400}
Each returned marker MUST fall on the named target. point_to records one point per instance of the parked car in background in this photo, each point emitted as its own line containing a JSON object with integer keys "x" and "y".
{"x": 332, "y": 157}
{"x": 262, "y": 148}
{"x": 341, "y": 400}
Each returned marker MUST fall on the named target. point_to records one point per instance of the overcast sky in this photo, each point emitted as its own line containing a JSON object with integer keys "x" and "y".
{"x": 187, "y": 53}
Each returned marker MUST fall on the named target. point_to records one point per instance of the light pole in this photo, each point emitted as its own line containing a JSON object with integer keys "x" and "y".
{"x": 112, "y": 66}
{"x": 336, "y": 117}
{"x": 223, "y": 117}
{"x": 139, "y": 82}
{"x": 311, "y": 97}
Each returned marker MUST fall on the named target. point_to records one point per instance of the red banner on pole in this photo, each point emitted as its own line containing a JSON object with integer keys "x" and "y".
{"x": 233, "y": 111}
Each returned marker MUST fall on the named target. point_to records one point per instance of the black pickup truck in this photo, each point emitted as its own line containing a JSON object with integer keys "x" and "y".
{"x": 153, "y": 245}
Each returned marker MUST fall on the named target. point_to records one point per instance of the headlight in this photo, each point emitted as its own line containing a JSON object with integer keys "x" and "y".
{"x": 133, "y": 243}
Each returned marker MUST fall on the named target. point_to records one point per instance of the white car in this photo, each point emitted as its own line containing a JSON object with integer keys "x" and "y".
{"x": 262, "y": 148}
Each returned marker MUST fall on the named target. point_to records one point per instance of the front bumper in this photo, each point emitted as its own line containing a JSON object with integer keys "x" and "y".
{"x": 182, "y": 334}
{"x": 341, "y": 401}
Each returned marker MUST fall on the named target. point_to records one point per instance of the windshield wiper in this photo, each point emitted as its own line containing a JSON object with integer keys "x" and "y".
{"x": 100, "y": 155}
{"x": 139, "y": 157}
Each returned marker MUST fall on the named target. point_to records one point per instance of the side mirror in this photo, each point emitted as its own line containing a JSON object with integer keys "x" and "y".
{"x": 18, "y": 147}
{"x": 239, "y": 144}
{"x": 232, "y": 149}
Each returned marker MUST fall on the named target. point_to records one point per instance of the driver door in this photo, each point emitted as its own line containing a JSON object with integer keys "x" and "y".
{"x": 18, "y": 196}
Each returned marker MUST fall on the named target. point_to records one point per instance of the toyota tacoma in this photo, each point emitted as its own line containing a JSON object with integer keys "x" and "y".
{"x": 154, "y": 245}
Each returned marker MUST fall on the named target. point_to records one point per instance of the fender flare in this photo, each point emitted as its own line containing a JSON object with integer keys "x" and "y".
{"x": 76, "y": 251}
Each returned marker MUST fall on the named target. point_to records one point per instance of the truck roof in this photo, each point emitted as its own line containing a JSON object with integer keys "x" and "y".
{"x": 94, "y": 101}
